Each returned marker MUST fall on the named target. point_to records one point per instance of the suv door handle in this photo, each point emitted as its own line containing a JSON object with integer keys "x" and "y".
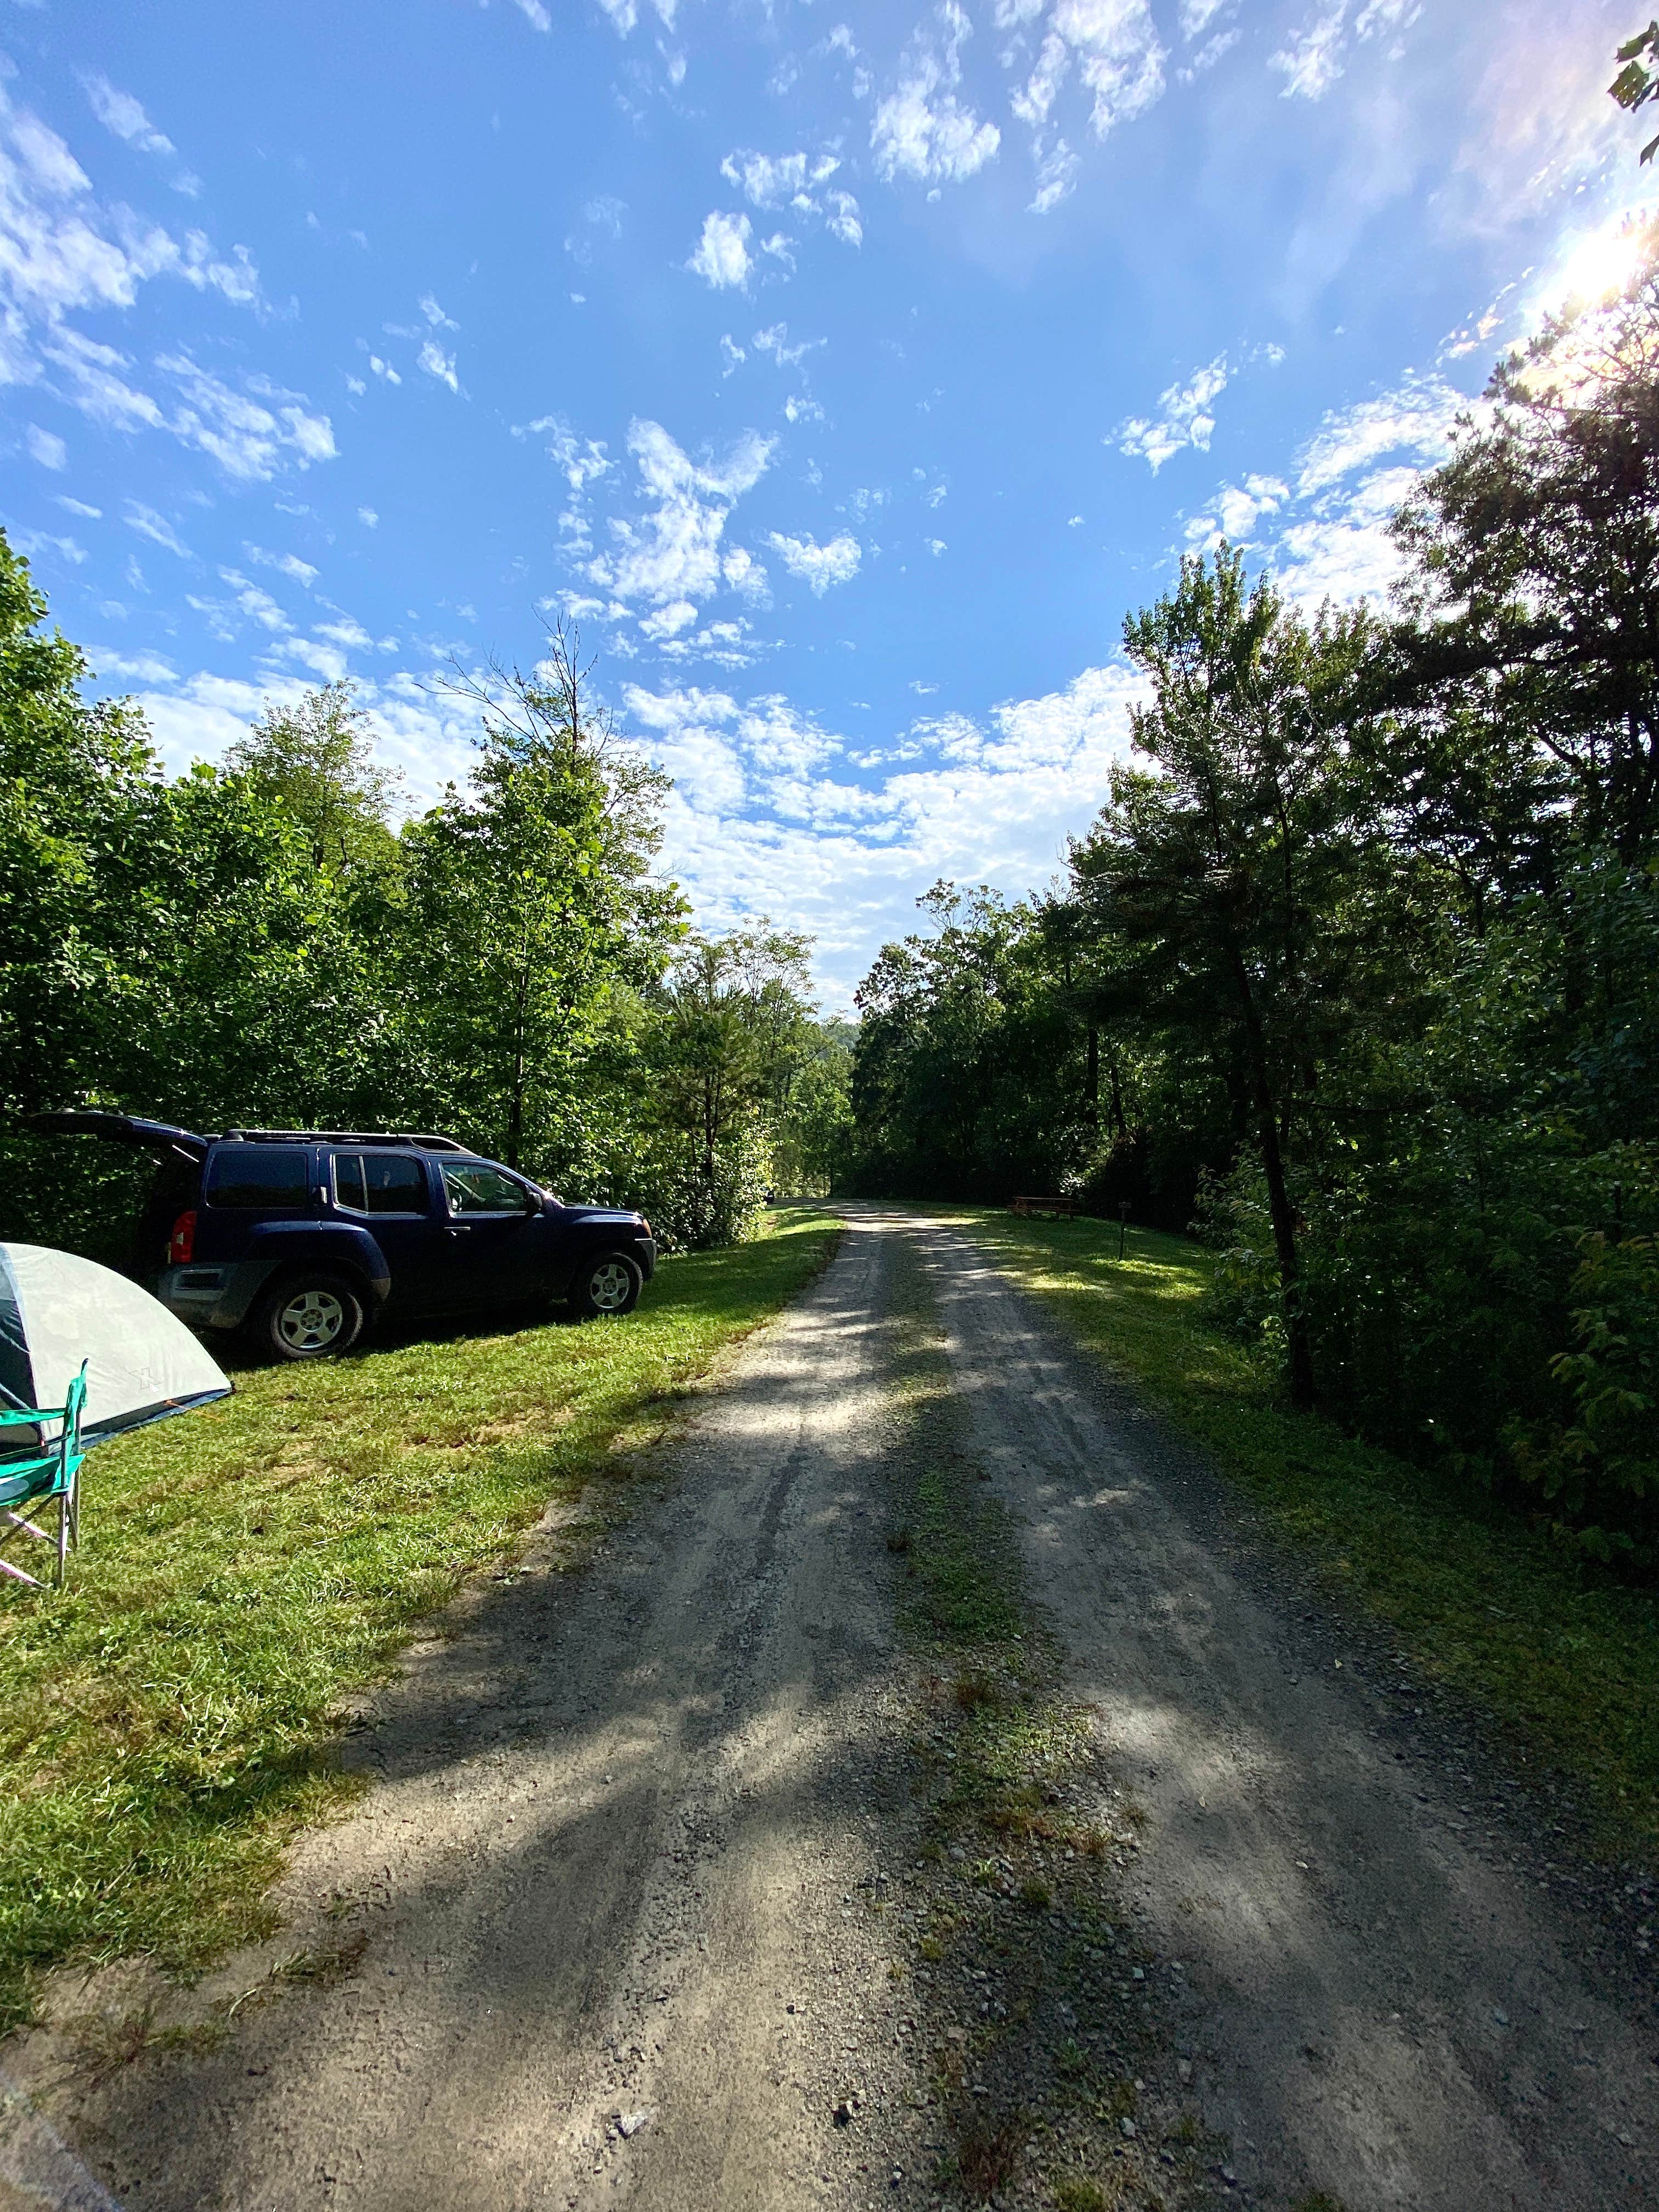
{"x": 466, "y": 1230}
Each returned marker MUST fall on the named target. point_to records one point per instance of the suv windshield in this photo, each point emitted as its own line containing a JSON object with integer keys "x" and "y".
{"x": 472, "y": 1188}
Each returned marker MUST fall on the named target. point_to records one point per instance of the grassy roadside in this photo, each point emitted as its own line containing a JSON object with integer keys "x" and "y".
{"x": 1561, "y": 1652}
{"x": 168, "y": 1718}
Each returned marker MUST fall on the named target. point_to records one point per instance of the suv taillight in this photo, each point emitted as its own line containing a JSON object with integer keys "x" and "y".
{"x": 181, "y": 1245}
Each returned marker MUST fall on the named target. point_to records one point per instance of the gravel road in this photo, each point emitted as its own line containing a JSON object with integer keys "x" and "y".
{"x": 612, "y": 1927}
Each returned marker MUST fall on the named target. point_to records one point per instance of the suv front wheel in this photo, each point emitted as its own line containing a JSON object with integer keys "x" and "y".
{"x": 608, "y": 1284}
{"x": 308, "y": 1316}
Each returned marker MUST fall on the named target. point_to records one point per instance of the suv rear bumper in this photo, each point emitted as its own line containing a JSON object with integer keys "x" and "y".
{"x": 646, "y": 1248}
{"x": 210, "y": 1295}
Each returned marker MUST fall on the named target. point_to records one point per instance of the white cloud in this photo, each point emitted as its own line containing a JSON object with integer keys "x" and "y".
{"x": 800, "y": 408}
{"x": 758, "y": 823}
{"x": 346, "y": 632}
{"x": 46, "y": 446}
{"x": 1316, "y": 54}
{"x": 34, "y": 542}
{"x": 722, "y": 258}
{"x": 1415, "y": 419}
{"x": 774, "y": 340}
{"x": 747, "y": 576}
{"x": 285, "y": 564}
{"x": 732, "y": 354}
{"x": 80, "y": 506}
{"x": 921, "y": 129}
{"x": 156, "y": 527}
{"x": 251, "y": 433}
{"x": 535, "y": 15}
{"x": 1183, "y": 418}
{"x": 1234, "y": 511}
{"x": 769, "y": 180}
{"x": 817, "y": 566}
{"x": 257, "y": 604}
{"x": 669, "y": 621}
{"x": 796, "y": 181}
{"x": 435, "y": 315}
{"x": 436, "y": 362}
{"x": 121, "y": 112}
{"x": 141, "y": 667}
{"x": 1118, "y": 57}
{"x": 383, "y": 369}
{"x": 673, "y": 551}
{"x": 368, "y": 517}
{"x": 843, "y": 219}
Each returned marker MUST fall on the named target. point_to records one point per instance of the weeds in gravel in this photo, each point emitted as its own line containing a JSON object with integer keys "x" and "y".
{"x": 170, "y": 1717}
{"x": 1556, "y": 1647}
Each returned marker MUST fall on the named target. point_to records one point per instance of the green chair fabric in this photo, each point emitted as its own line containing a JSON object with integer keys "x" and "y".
{"x": 39, "y": 1472}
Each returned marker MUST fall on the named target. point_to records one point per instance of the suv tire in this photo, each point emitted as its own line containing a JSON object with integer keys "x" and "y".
{"x": 607, "y": 1285}
{"x": 308, "y": 1316}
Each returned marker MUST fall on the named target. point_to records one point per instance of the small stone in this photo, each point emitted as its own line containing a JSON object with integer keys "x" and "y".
{"x": 1502, "y": 2018}
{"x": 1228, "y": 2175}
{"x": 1128, "y": 2128}
{"x": 1137, "y": 1974}
{"x": 842, "y": 2115}
{"x": 957, "y": 1852}
{"x": 1184, "y": 2067}
{"x": 629, "y": 2124}
{"x": 956, "y": 2034}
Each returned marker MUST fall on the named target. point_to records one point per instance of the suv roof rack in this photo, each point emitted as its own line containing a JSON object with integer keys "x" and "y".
{"x": 413, "y": 1139}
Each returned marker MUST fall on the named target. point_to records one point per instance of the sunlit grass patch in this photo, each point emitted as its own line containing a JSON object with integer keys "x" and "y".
{"x": 1563, "y": 1652}
{"x": 170, "y": 1717}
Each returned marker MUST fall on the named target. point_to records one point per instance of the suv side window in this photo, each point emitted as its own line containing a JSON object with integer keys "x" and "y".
{"x": 472, "y": 1188}
{"x": 263, "y": 1175}
{"x": 380, "y": 1183}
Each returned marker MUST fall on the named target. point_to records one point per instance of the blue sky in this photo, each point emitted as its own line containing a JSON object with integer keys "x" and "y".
{"x": 847, "y": 370}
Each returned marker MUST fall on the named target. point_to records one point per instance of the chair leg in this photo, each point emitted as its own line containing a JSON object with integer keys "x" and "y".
{"x": 63, "y": 1538}
{"x": 75, "y": 1511}
{"x": 17, "y": 1575}
{"x": 17, "y": 1521}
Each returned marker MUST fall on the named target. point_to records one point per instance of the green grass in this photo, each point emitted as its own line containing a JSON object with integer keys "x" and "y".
{"x": 170, "y": 1719}
{"x": 1565, "y": 1654}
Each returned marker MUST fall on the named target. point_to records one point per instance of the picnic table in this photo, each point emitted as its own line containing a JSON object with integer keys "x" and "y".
{"x": 1065, "y": 1209}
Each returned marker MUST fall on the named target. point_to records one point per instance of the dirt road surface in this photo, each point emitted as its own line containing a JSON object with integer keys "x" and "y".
{"x": 611, "y": 1928}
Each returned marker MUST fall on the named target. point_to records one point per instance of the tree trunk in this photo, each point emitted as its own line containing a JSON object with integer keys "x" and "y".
{"x": 1297, "y": 1346}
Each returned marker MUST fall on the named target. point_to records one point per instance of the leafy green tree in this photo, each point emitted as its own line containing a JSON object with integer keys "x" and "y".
{"x": 1527, "y": 646}
{"x": 726, "y": 1030}
{"x": 1222, "y": 871}
{"x": 1636, "y": 82}
{"x": 317, "y": 755}
{"x": 530, "y": 902}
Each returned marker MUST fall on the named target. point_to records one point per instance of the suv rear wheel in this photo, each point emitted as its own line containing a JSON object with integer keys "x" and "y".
{"x": 308, "y": 1316}
{"x": 608, "y": 1284}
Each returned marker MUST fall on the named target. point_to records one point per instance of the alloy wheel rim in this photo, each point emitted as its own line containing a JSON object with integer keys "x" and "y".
{"x": 610, "y": 1286}
{"x": 311, "y": 1321}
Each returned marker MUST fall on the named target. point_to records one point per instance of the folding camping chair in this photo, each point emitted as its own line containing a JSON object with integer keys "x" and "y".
{"x": 46, "y": 1471}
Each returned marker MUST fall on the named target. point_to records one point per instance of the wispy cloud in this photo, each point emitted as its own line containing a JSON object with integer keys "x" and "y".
{"x": 119, "y": 112}
{"x": 1184, "y": 417}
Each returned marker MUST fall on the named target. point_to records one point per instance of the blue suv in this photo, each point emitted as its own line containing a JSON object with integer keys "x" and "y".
{"x": 303, "y": 1236}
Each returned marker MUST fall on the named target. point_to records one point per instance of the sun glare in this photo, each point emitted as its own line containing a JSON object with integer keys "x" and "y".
{"x": 1598, "y": 265}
